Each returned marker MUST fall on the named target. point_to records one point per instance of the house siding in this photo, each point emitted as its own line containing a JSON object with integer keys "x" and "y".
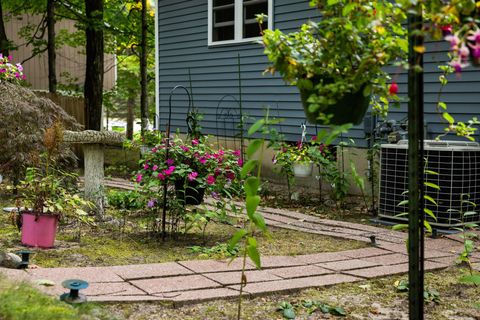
{"x": 183, "y": 46}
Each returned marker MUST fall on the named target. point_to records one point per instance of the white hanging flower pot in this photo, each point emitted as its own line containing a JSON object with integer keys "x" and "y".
{"x": 303, "y": 169}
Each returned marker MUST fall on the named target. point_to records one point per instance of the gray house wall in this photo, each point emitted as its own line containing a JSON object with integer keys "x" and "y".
{"x": 183, "y": 47}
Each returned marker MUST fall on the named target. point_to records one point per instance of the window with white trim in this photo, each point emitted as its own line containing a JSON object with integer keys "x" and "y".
{"x": 232, "y": 21}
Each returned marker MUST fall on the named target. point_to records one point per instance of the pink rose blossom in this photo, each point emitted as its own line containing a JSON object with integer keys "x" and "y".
{"x": 236, "y": 153}
{"x": 195, "y": 142}
{"x": 230, "y": 175}
{"x": 169, "y": 162}
{"x": 211, "y": 180}
{"x": 202, "y": 160}
{"x": 240, "y": 162}
{"x": 184, "y": 148}
{"x": 154, "y": 168}
{"x": 161, "y": 176}
{"x": 146, "y": 166}
{"x": 139, "y": 178}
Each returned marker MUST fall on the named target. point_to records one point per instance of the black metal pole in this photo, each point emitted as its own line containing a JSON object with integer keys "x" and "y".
{"x": 415, "y": 165}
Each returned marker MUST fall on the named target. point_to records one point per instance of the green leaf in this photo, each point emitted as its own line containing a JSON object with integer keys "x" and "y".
{"x": 332, "y": 2}
{"x": 251, "y": 186}
{"x": 289, "y": 313}
{"x": 430, "y": 213}
{"x": 470, "y": 279}
{"x": 400, "y": 227}
{"x": 253, "y": 147}
{"x": 247, "y": 167}
{"x": 427, "y": 226}
{"x": 469, "y": 213}
{"x": 431, "y": 185}
{"x": 347, "y": 9}
{"x": 431, "y": 172}
{"x": 236, "y": 238}
{"x": 256, "y": 126}
{"x": 252, "y": 252}
{"x": 402, "y": 203}
{"x": 427, "y": 197}
{"x": 338, "y": 311}
{"x": 259, "y": 221}
{"x": 252, "y": 204}
{"x": 448, "y": 117}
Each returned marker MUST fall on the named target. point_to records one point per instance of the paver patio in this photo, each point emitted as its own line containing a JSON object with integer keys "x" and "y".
{"x": 196, "y": 281}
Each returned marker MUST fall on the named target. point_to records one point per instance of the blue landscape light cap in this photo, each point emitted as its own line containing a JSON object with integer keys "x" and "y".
{"x": 75, "y": 284}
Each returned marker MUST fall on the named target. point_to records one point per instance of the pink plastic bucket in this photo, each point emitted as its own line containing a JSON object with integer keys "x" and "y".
{"x": 39, "y": 233}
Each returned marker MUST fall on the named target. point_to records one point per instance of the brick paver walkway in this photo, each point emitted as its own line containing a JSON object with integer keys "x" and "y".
{"x": 195, "y": 281}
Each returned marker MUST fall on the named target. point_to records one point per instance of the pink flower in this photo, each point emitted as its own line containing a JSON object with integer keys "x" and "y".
{"x": 24, "y": 77}
{"x": 393, "y": 88}
{"x": 475, "y": 36}
{"x": 202, "y": 160}
{"x": 221, "y": 152}
{"x": 154, "y": 168}
{"x": 161, "y": 176}
{"x": 155, "y": 149}
{"x": 192, "y": 176}
{"x": 195, "y": 142}
{"x": 146, "y": 166}
{"x": 211, "y": 180}
{"x": 236, "y": 153}
{"x": 19, "y": 67}
{"x": 240, "y": 162}
{"x": 458, "y": 66}
{"x": 217, "y": 172}
{"x": 169, "y": 162}
{"x": 139, "y": 178}
{"x": 230, "y": 175}
{"x": 464, "y": 52}
{"x": 454, "y": 40}
{"x": 314, "y": 138}
{"x": 446, "y": 30}
{"x": 9, "y": 58}
{"x": 475, "y": 50}
{"x": 184, "y": 148}
{"x": 169, "y": 171}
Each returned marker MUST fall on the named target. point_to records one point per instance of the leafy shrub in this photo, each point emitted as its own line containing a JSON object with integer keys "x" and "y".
{"x": 24, "y": 118}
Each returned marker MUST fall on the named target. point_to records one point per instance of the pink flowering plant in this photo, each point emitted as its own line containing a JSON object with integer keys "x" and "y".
{"x": 9, "y": 71}
{"x": 194, "y": 163}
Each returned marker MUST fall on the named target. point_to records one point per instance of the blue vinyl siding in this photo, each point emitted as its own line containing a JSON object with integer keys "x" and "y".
{"x": 183, "y": 46}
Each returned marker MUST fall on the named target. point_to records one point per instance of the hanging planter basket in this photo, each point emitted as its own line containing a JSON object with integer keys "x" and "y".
{"x": 303, "y": 169}
{"x": 189, "y": 193}
{"x": 350, "y": 109}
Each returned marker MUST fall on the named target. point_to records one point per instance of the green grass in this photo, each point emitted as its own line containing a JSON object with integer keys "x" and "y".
{"x": 21, "y": 301}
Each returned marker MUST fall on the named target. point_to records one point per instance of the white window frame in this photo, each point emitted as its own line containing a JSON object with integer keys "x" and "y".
{"x": 238, "y": 24}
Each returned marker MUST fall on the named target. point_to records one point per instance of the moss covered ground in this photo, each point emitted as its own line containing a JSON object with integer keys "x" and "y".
{"x": 108, "y": 244}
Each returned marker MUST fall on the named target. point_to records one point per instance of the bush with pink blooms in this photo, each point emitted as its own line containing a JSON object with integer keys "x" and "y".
{"x": 194, "y": 163}
{"x": 10, "y": 72}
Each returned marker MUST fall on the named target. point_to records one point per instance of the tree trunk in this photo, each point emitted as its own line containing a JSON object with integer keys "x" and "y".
{"x": 52, "y": 56}
{"x": 4, "y": 43}
{"x": 93, "y": 89}
{"x": 143, "y": 70}
{"x": 130, "y": 113}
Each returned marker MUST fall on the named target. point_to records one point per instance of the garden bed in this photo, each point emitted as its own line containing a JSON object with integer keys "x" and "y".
{"x": 110, "y": 244}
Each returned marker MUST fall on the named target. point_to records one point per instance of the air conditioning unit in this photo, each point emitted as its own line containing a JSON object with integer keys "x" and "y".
{"x": 457, "y": 168}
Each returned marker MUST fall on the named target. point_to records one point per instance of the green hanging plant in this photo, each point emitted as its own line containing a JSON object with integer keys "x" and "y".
{"x": 338, "y": 63}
